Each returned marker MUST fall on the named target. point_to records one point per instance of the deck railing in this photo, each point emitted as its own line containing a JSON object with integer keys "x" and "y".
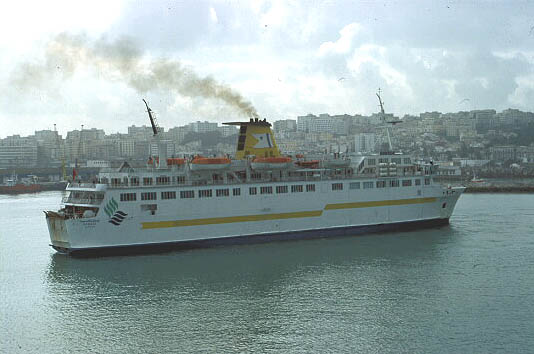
{"x": 89, "y": 201}
{"x": 270, "y": 179}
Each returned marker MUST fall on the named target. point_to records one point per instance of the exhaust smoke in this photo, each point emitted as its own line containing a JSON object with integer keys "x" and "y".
{"x": 121, "y": 60}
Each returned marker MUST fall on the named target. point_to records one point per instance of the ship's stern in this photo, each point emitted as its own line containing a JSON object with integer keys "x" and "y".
{"x": 57, "y": 229}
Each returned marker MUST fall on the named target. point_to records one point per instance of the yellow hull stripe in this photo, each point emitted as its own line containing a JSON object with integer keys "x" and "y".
{"x": 230, "y": 219}
{"x": 280, "y": 216}
{"x": 379, "y": 203}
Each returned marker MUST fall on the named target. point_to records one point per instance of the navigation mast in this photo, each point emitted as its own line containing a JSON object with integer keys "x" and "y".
{"x": 161, "y": 159}
{"x": 383, "y": 118}
{"x": 153, "y": 121}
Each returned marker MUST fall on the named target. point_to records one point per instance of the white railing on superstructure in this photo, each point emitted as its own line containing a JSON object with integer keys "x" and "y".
{"x": 310, "y": 175}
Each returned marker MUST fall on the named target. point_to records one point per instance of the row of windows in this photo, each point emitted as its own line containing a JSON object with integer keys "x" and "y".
{"x": 337, "y": 186}
{"x": 128, "y": 197}
{"x": 225, "y": 192}
{"x": 168, "y": 195}
{"x": 160, "y": 180}
{"x": 383, "y": 184}
{"x": 149, "y": 196}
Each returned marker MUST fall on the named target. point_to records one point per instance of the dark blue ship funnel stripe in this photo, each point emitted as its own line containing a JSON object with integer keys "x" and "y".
{"x": 121, "y": 213}
{"x": 114, "y": 223}
{"x": 118, "y": 216}
{"x": 116, "y": 219}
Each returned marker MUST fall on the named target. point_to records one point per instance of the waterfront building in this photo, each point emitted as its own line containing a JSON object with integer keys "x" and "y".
{"x": 286, "y": 125}
{"x": 18, "y": 151}
{"x": 203, "y": 127}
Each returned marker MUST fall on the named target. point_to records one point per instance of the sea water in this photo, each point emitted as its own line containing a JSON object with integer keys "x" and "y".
{"x": 463, "y": 288}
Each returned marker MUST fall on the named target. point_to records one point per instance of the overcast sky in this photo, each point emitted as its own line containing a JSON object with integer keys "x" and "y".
{"x": 284, "y": 58}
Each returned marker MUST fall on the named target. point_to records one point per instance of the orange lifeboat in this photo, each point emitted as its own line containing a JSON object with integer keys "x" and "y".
{"x": 175, "y": 162}
{"x": 308, "y": 163}
{"x": 210, "y": 163}
{"x": 271, "y": 163}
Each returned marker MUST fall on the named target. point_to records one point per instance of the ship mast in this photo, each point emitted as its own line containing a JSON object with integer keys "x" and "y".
{"x": 153, "y": 121}
{"x": 383, "y": 118}
{"x": 162, "y": 146}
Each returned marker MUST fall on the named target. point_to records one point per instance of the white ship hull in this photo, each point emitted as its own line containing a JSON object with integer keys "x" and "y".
{"x": 242, "y": 218}
{"x": 251, "y": 198}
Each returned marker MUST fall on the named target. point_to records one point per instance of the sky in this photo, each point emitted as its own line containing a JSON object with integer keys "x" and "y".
{"x": 92, "y": 62}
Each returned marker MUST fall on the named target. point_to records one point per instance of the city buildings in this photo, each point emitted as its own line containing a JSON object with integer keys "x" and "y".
{"x": 499, "y": 139}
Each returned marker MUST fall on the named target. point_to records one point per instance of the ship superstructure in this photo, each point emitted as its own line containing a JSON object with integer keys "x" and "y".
{"x": 258, "y": 195}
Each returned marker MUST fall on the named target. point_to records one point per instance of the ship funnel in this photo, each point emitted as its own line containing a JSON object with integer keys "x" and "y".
{"x": 255, "y": 139}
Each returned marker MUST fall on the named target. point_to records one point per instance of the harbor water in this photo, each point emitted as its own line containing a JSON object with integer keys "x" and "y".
{"x": 463, "y": 288}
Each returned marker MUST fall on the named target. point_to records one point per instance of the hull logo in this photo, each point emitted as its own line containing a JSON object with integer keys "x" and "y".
{"x": 115, "y": 216}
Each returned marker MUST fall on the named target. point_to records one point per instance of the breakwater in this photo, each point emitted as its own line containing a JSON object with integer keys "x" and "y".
{"x": 499, "y": 189}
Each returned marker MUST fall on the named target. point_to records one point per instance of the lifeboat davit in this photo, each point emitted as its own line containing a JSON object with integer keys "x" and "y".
{"x": 308, "y": 163}
{"x": 271, "y": 163}
{"x": 210, "y": 163}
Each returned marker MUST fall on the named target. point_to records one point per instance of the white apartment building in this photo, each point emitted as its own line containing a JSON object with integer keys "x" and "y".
{"x": 286, "y": 125}
{"x": 365, "y": 143}
{"x": 203, "y": 127}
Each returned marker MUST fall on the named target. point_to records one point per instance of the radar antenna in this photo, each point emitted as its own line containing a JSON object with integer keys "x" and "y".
{"x": 155, "y": 127}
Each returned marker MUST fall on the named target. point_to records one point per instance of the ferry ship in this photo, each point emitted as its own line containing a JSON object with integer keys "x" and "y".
{"x": 258, "y": 195}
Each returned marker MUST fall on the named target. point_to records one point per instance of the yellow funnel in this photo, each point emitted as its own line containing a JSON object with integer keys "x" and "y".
{"x": 255, "y": 138}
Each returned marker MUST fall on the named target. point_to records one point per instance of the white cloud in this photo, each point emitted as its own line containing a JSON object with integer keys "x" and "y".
{"x": 285, "y": 57}
{"x": 523, "y": 95}
{"x": 344, "y": 44}
{"x": 23, "y": 22}
{"x": 377, "y": 57}
{"x": 213, "y": 15}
